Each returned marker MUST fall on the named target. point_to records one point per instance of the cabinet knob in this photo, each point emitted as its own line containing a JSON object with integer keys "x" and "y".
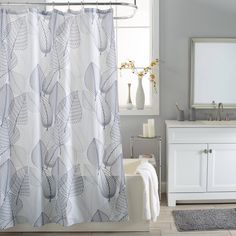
{"x": 210, "y": 151}
{"x": 205, "y": 151}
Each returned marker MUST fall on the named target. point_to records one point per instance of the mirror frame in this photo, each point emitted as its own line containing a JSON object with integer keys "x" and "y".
{"x": 192, "y": 79}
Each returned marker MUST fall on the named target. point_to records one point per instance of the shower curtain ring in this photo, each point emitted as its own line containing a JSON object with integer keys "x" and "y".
{"x": 53, "y": 5}
{"x": 82, "y": 4}
{"x": 97, "y": 4}
{"x": 110, "y": 5}
{"x": 68, "y": 5}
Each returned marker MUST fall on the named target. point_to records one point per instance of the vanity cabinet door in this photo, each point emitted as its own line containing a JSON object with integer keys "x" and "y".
{"x": 187, "y": 168}
{"x": 221, "y": 167}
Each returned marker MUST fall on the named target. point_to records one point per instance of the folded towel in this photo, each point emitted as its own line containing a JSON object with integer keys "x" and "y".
{"x": 151, "y": 198}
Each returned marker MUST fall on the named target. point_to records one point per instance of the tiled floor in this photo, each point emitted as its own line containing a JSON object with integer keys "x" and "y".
{"x": 163, "y": 227}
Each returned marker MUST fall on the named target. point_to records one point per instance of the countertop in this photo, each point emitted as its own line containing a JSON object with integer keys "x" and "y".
{"x": 200, "y": 124}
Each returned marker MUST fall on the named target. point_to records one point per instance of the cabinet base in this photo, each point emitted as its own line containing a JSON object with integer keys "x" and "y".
{"x": 219, "y": 197}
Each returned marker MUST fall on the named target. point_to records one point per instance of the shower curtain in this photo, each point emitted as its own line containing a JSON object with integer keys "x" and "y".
{"x": 60, "y": 144}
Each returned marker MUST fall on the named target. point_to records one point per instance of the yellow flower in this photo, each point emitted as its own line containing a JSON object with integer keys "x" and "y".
{"x": 152, "y": 76}
{"x": 141, "y": 73}
{"x": 154, "y": 63}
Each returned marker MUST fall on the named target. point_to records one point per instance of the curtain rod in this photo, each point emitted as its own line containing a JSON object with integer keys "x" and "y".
{"x": 82, "y": 3}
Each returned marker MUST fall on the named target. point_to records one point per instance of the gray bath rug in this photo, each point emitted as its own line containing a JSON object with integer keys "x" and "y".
{"x": 207, "y": 219}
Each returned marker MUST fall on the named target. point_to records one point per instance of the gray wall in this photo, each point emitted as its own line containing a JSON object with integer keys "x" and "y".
{"x": 180, "y": 20}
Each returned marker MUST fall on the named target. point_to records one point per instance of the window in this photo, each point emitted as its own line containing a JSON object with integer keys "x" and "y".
{"x": 136, "y": 39}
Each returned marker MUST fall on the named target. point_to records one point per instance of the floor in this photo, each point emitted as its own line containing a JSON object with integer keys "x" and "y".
{"x": 163, "y": 227}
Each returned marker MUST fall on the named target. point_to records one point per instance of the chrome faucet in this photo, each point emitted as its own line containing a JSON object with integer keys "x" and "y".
{"x": 220, "y": 111}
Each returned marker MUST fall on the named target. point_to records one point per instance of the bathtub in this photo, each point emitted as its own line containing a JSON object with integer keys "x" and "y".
{"x": 136, "y": 222}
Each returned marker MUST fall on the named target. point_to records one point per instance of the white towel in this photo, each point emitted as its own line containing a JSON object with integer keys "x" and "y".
{"x": 151, "y": 198}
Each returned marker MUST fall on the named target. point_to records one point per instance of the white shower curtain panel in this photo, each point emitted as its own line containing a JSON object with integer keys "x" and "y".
{"x": 60, "y": 145}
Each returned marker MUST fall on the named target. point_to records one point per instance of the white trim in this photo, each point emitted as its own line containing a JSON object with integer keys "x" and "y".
{"x": 207, "y": 197}
{"x": 133, "y": 27}
{"x": 155, "y": 52}
{"x": 134, "y": 112}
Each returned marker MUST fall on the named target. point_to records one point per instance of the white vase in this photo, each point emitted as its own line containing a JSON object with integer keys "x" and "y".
{"x": 129, "y": 104}
{"x": 140, "y": 96}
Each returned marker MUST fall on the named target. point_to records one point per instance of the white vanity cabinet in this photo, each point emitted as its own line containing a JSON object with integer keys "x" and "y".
{"x": 201, "y": 161}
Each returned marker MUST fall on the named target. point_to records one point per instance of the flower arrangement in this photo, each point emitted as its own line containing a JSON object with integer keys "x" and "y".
{"x": 141, "y": 73}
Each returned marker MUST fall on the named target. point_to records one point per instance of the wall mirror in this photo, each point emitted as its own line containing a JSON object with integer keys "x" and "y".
{"x": 213, "y": 72}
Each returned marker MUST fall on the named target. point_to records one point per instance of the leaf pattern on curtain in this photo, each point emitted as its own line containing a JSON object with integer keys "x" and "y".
{"x": 60, "y": 142}
{"x": 45, "y": 35}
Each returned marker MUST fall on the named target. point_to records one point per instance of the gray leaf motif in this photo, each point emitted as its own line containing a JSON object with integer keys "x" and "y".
{"x": 6, "y": 99}
{"x": 124, "y": 217}
{"x": 52, "y": 155}
{"x": 107, "y": 183}
{"x": 115, "y": 130}
{"x": 102, "y": 110}
{"x": 9, "y": 135}
{"x": 60, "y": 133}
{"x": 63, "y": 207}
{"x": 68, "y": 33}
{"x": 16, "y": 81}
{"x": 60, "y": 136}
{"x": 56, "y": 96}
{"x": 100, "y": 216}
{"x": 36, "y": 79}
{"x": 46, "y": 112}
{"x": 95, "y": 153}
{"x": 45, "y": 35}
{"x": 48, "y": 185}
{"x": 56, "y": 153}
{"x": 59, "y": 62}
{"x": 113, "y": 153}
{"x": 72, "y": 183}
{"x": 59, "y": 169}
{"x": 92, "y": 78}
{"x": 88, "y": 100}
{"x": 108, "y": 26}
{"x": 92, "y": 26}
{"x": 52, "y": 22}
{"x": 17, "y": 38}
{"x": 7, "y": 62}
{"x": 38, "y": 157}
{"x": 50, "y": 81}
{"x": 5, "y": 27}
{"x": 69, "y": 109}
{"x": 9, "y": 210}
{"x": 18, "y": 110}
{"x": 20, "y": 183}
{"x": 33, "y": 102}
{"x": 112, "y": 98}
{"x": 98, "y": 105}
{"x": 107, "y": 79}
{"x": 100, "y": 37}
{"x": 60, "y": 57}
{"x": 38, "y": 154}
{"x": 111, "y": 60}
{"x": 43, "y": 219}
{"x": 121, "y": 203}
{"x": 7, "y": 169}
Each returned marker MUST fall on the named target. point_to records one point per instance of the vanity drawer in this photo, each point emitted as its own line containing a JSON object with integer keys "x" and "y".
{"x": 201, "y": 135}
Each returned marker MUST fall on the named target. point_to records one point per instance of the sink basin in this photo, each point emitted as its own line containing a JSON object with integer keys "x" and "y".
{"x": 216, "y": 122}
